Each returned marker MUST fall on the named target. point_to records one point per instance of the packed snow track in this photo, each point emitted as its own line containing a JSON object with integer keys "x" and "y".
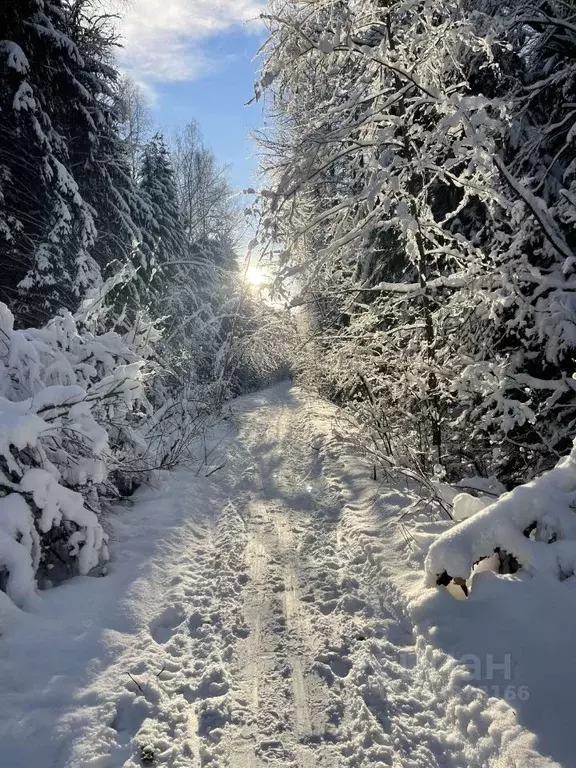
{"x": 258, "y": 617}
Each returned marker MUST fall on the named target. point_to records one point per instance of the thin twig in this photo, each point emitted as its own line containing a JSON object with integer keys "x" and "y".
{"x": 136, "y": 683}
{"x": 212, "y": 471}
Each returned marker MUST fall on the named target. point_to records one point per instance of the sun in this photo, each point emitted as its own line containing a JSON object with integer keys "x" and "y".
{"x": 255, "y": 276}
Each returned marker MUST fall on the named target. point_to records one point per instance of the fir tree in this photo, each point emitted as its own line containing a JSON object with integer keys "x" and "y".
{"x": 46, "y": 227}
{"x": 166, "y": 241}
{"x": 68, "y": 205}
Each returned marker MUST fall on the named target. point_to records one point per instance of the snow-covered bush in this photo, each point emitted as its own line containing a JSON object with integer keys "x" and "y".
{"x": 262, "y": 343}
{"x": 70, "y": 403}
{"x": 532, "y": 528}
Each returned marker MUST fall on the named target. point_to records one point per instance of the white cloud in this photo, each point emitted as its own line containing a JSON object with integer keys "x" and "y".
{"x": 167, "y": 40}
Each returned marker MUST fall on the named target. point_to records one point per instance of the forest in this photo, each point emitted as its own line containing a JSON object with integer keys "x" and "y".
{"x": 414, "y": 224}
{"x": 417, "y": 206}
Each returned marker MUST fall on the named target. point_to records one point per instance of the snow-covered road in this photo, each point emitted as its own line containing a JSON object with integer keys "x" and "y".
{"x": 265, "y": 616}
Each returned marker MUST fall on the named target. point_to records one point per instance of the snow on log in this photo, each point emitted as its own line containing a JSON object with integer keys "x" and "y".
{"x": 533, "y": 526}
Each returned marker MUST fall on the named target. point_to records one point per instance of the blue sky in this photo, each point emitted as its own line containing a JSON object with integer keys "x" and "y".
{"x": 216, "y": 100}
{"x": 195, "y": 59}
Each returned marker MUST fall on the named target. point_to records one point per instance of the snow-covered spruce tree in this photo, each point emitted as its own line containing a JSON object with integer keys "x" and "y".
{"x": 177, "y": 279}
{"x": 67, "y": 202}
{"x": 46, "y": 227}
{"x": 165, "y": 242}
{"x": 102, "y": 160}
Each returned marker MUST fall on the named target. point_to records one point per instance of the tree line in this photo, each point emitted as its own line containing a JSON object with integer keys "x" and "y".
{"x": 421, "y": 200}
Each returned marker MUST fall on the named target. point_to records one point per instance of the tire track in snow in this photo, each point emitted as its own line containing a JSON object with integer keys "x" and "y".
{"x": 277, "y": 658}
{"x": 275, "y": 663}
{"x": 258, "y": 659}
{"x": 297, "y": 625}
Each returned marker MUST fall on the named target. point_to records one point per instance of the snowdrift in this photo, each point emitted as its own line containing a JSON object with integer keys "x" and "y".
{"x": 530, "y": 529}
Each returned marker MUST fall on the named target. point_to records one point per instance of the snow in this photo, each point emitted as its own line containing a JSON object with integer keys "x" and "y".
{"x": 274, "y": 615}
{"x": 465, "y": 505}
{"x": 57, "y": 396}
{"x": 59, "y": 503}
{"x": 536, "y": 523}
{"x": 21, "y": 428}
{"x": 72, "y": 405}
{"x": 15, "y": 56}
{"x": 24, "y": 98}
{"x": 486, "y": 485}
{"x": 17, "y": 540}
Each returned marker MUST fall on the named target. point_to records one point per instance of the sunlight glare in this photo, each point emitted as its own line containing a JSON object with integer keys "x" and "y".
{"x": 255, "y": 276}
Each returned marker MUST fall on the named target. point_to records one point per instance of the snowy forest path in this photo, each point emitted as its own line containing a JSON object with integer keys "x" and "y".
{"x": 257, "y": 618}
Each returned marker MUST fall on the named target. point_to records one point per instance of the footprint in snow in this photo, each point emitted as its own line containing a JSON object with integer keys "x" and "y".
{"x": 351, "y": 604}
{"x": 212, "y": 684}
{"x": 331, "y": 664}
{"x": 163, "y": 627}
{"x": 128, "y": 718}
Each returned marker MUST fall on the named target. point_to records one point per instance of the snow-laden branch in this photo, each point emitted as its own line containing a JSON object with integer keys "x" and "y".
{"x": 539, "y": 211}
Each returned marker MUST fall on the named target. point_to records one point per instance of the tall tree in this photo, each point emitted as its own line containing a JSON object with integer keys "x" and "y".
{"x": 135, "y": 120}
{"x": 46, "y": 227}
{"x": 372, "y": 185}
{"x": 101, "y": 158}
{"x": 205, "y": 300}
{"x": 68, "y": 206}
{"x": 204, "y": 193}
{"x": 166, "y": 242}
